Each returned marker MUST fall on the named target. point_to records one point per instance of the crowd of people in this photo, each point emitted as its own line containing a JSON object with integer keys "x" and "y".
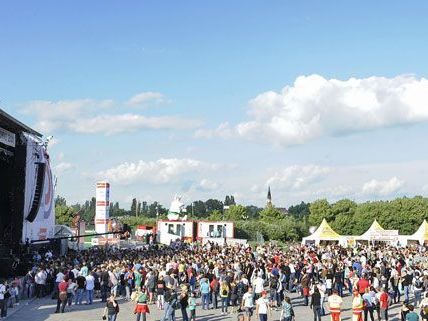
{"x": 249, "y": 282}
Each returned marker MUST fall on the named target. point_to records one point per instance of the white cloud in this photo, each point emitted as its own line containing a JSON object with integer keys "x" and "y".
{"x": 315, "y": 107}
{"x": 146, "y": 99}
{"x": 101, "y": 116}
{"x": 297, "y": 177}
{"x": 160, "y": 171}
{"x": 382, "y": 188}
{"x": 113, "y": 124}
{"x": 64, "y": 109}
{"x": 63, "y": 167}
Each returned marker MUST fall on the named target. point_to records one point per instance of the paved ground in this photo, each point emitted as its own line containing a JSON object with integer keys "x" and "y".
{"x": 43, "y": 310}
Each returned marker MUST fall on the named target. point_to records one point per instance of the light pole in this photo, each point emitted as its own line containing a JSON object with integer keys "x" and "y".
{"x": 192, "y": 208}
{"x": 225, "y": 207}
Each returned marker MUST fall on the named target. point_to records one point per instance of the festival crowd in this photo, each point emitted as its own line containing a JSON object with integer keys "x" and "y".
{"x": 248, "y": 282}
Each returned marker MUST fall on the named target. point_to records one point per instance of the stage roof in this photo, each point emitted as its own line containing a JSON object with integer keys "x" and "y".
{"x": 13, "y": 125}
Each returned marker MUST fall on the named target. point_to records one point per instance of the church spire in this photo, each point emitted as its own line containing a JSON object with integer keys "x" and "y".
{"x": 269, "y": 197}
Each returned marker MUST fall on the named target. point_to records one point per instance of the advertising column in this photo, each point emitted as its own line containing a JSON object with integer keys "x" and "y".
{"x": 102, "y": 207}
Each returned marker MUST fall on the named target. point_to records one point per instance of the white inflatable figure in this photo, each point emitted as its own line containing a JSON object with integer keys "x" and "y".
{"x": 176, "y": 208}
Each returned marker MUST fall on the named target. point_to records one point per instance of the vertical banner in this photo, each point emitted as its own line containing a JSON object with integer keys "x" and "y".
{"x": 44, "y": 223}
{"x": 102, "y": 207}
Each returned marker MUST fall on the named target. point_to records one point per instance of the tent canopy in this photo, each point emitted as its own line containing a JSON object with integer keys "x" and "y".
{"x": 323, "y": 233}
{"x": 421, "y": 234}
{"x": 374, "y": 230}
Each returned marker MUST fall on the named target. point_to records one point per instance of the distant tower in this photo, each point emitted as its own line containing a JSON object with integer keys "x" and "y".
{"x": 269, "y": 198}
{"x": 102, "y": 207}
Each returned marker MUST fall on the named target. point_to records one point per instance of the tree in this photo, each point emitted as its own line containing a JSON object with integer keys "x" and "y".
{"x": 227, "y": 200}
{"x": 213, "y": 204}
{"x": 60, "y": 201}
{"x": 319, "y": 210}
{"x": 138, "y": 209}
{"x": 216, "y": 215}
{"x": 299, "y": 211}
{"x": 199, "y": 209}
{"x": 145, "y": 208}
{"x": 156, "y": 210}
{"x": 134, "y": 207}
{"x": 63, "y": 215}
{"x": 271, "y": 214}
{"x": 253, "y": 212}
{"x": 88, "y": 210}
{"x": 343, "y": 212}
{"x": 236, "y": 213}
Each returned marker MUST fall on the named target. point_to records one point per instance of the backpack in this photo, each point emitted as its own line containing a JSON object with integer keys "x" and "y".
{"x": 242, "y": 288}
{"x": 274, "y": 283}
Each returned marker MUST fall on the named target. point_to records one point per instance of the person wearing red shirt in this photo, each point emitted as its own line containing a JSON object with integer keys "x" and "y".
{"x": 62, "y": 297}
{"x": 383, "y": 304}
{"x": 215, "y": 286}
{"x": 363, "y": 284}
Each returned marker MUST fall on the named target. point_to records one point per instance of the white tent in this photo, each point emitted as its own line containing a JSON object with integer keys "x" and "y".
{"x": 379, "y": 234}
{"x": 421, "y": 234}
{"x": 323, "y": 233}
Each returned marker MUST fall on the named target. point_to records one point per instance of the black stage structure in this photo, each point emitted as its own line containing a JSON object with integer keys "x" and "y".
{"x": 12, "y": 188}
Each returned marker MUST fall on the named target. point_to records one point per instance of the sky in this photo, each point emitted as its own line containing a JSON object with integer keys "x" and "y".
{"x": 316, "y": 99}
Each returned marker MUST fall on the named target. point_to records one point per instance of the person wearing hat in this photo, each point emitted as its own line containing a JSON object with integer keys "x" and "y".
{"x": 263, "y": 307}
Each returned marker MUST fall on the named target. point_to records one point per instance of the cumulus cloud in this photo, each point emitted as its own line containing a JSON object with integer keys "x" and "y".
{"x": 382, "y": 188}
{"x": 102, "y": 116}
{"x": 297, "y": 176}
{"x": 147, "y": 99}
{"x": 62, "y": 167}
{"x": 315, "y": 107}
{"x": 54, "y": 115}
{"x": 160, "y": 171}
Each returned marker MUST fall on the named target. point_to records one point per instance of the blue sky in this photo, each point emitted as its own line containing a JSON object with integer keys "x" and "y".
{"x": 187, "y": 96}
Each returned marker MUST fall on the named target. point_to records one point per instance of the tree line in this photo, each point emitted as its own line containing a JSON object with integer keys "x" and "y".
{"x": 270, "y": 223}
{"x": 347, "y": 217}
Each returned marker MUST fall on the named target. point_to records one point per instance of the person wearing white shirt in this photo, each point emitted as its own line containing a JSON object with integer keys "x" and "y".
{"x": 84, "y": 270}
{"x": 322, "y": 288}
{"x": 58, "y": 279}
{"x": 90, "y": 284}
{"x": 248, "y": 304}
{"x": 258, "y": 287}
{"x": 76, "y": 272}
{"x": 40, "y": 280}
{"x": 3, "y": 305}
{"x": 262, "y": 306}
